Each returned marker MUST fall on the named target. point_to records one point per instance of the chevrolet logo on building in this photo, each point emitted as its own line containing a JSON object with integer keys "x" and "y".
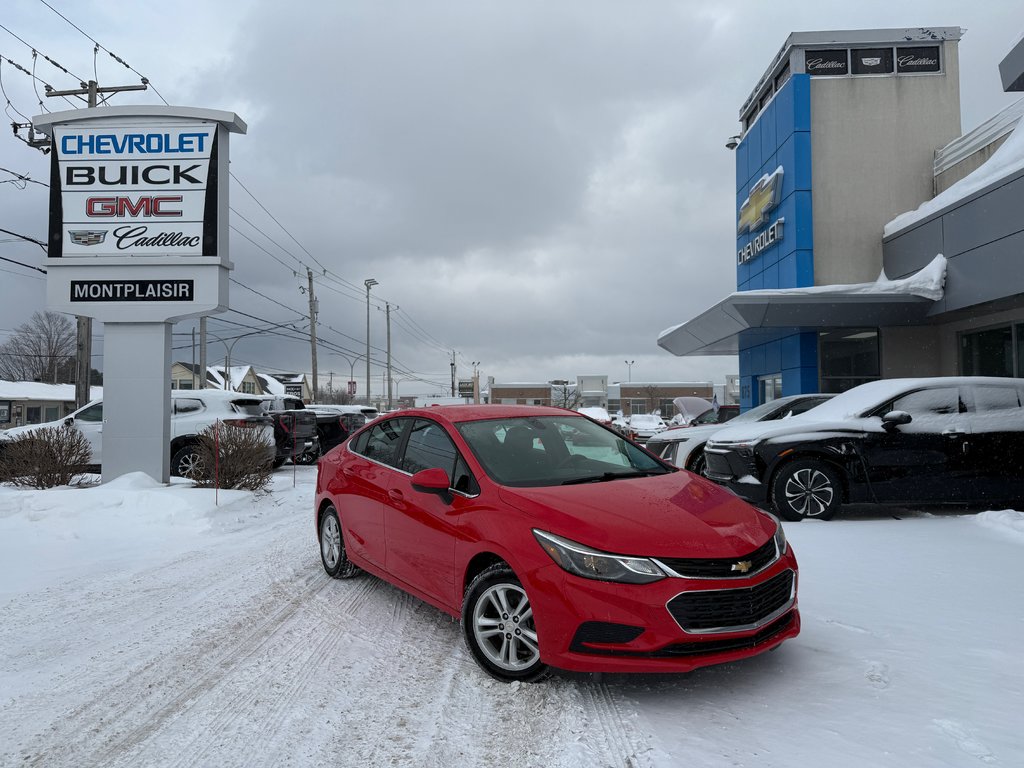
{"x": 764, "y": 196}
{"x": 87, "y": 236}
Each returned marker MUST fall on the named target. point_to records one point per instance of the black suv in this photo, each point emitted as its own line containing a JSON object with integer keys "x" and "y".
{"x": 897, "y": 441}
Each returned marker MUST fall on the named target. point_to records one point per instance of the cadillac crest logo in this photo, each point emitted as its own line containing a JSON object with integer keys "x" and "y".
{"x": 87, "y": 236}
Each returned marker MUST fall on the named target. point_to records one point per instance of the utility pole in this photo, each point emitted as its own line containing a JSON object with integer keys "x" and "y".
{"x": 387, "y": 312}
{"x": 314, "y": 307}
{"x": 83, "y": 361}
{"x": 369, "y": 283}
{"x": 453, "y": 373}
{"x": 202, "y": 352}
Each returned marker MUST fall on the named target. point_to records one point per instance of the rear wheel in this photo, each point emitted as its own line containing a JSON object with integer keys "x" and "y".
{"x": 806, "y": 489}
{"x": 498, "y": 623}
{"x": 332, "y": 546}
{"x": 186, "y": 462}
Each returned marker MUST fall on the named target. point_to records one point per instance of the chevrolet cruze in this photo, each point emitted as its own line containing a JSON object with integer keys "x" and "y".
{"x": 558, "y": 542}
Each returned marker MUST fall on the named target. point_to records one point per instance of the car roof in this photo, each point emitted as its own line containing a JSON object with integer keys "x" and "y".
{"x": 460, "y": 413}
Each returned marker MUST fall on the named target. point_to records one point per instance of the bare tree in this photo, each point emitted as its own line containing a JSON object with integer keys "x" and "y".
{"x": 653, "y": 396}
{"x": 565, "y": 396}
{"x": 43, "y": 349}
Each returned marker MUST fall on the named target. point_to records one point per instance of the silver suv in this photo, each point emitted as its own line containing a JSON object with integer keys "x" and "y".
{"x": 192, "y": 411}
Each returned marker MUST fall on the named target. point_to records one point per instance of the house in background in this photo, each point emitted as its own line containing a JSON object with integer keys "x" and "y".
{"x": 292, "y": 384}
{"x": 27, "y": 402}
{"x": 241, "y": 378}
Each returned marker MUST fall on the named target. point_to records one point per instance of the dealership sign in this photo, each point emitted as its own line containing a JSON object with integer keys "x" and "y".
{"x": 138, "y": 212}
{"x": 764, "y": 198}
{"x": 134, "y": 189}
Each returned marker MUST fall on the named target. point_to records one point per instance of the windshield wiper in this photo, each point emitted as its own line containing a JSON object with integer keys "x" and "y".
{"x": 604, "y": 477}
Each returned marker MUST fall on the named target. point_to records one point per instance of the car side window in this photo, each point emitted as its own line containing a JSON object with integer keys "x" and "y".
{"x": 997, "y": 409}
{"x": 428, "y": 448}
{"x": 187, "y": 405}
{"x": 939, "y": 401}
{"x": 382, "y": 441}
{"x": 93, "y": 414}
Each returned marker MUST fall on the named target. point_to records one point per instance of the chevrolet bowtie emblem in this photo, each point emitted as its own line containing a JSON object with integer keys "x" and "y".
{"x": 742, "y": 566}
{"x": 764, "y": 196}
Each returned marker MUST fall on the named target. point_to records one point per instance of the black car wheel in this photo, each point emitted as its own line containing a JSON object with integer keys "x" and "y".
{"x": 497, "y": 620}
{"x": 332, "y": 547}
{"x": 187, "y": 462}
{"x": 699, "y": 465}
{"x": 806, "y": 489}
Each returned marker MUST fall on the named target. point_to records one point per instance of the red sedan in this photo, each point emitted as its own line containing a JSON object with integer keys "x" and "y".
{"x": 558, "y": 542}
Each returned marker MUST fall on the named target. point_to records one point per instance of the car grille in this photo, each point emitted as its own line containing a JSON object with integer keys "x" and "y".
{"x": 732, "y": 609}
{"x": 723, "y": 568}
{"x": 732, "y": 644}
{"x": 717, "y": 464}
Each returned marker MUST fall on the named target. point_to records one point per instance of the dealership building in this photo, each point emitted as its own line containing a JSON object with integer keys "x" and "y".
{"x": 873, "y": 239}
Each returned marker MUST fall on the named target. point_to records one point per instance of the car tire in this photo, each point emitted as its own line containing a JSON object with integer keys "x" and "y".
{"x": 699, "y": 465}
{"x": 186, "y": 462}
{"x": 806, "y": 489}
{"x": 499, "y": 627}
{"x": 332, "y": 546}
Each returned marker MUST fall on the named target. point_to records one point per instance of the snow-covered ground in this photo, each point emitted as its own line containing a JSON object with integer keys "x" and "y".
{"x": 143, "y": 625}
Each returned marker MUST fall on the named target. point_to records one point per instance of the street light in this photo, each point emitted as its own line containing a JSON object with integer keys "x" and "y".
{"x": 351, "y": 364}
{"x": 369, "y": 283}
{"x": 629, "y": 365}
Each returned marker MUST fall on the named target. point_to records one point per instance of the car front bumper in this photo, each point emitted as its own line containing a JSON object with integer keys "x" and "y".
{"x": 737, "y": 472}
{"x": 593, "y": 626}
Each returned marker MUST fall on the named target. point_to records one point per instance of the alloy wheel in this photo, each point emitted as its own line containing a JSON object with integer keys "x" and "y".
{"x": 809, "y": 492}
{"x": 504, "y": 629}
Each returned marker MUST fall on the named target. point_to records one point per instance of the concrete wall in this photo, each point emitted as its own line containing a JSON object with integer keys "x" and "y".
{"x": 951, "y": 176}
{"x": 885, "y": 129}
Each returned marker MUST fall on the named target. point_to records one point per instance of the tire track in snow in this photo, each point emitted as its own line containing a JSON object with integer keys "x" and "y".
{"x": 618, "y": 743}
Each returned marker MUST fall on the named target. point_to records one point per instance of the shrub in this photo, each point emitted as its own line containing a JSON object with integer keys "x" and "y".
{"x": 45, "y": 458}
{"x": 232, "y": 457}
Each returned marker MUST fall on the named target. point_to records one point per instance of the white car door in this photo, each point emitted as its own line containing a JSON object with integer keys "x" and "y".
{"x": 89, "y": 421}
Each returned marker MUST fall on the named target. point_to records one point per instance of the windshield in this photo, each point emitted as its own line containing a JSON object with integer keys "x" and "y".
{"x": 532, "y": 451}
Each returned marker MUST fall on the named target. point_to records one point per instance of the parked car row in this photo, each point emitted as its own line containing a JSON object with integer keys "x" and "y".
{"x": 899, "y": 441}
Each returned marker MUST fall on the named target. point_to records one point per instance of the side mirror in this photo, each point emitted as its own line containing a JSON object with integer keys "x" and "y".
{"x": 432, "y": 480}
{"x": 69, "y": 422}
{"x": 894, "y": 419}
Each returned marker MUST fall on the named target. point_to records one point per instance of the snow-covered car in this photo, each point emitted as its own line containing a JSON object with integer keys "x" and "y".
{"x": 642, "y": 426}
{"x": 944, "y": 440}
{"x": 192, "y": 411}
{"x": 597, "y": 413}
{"x": 684, "y": 445}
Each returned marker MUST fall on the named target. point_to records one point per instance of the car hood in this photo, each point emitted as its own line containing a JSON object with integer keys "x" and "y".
{"x": 674, "y": 515}
{"x": 795, "y": 425}
{"x": 687, "y": 433}
{"x": 13, "y": 432}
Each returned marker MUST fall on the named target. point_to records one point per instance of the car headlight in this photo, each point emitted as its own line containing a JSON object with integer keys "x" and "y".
{"x": 780, "y": 536}
{"x": 593, "y": 564}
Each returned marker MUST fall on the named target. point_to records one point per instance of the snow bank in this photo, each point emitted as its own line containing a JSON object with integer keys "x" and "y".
{"x": 45, "y": 535}
{"x": 1006, "y": 521}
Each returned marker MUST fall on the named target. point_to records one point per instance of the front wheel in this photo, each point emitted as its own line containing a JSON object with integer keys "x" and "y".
{"x": 332, "y": 547}
{"x": 699, "y": 465}
{"x": 806, "y": 489}
{"x": 498, "y": 623}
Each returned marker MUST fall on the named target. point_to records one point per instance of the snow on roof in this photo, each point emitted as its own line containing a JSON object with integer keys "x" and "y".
{"x": 33, "y": 390}
{"x": 1006, "y": 160}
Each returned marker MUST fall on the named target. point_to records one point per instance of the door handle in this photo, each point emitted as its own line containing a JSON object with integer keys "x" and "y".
{"x": 954, "y": 432}
{"x": 395, "y": 495}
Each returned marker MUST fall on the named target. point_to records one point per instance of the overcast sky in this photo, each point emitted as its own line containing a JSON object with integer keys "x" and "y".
{"x": 542, "y": 187}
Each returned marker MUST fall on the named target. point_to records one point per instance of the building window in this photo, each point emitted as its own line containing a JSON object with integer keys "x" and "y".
{"x": 993, "y": 352}
{"x": 248, "y": 388}
{"x": 769, "y": 388}
{"x": 33, "y": 414}
{"x": 847, "y": 357}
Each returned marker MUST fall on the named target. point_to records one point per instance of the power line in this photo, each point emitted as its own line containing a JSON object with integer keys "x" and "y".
{"x": 100, "y": 46}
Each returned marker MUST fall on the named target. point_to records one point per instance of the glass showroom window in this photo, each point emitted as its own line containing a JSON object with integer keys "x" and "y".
{"x": 993, "y": 351}
{"x": 769, "y": 388}
{"x": 848, "y": 357}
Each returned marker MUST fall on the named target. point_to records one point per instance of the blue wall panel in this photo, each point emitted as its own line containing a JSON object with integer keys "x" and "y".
{"x": 780, "y": 137}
